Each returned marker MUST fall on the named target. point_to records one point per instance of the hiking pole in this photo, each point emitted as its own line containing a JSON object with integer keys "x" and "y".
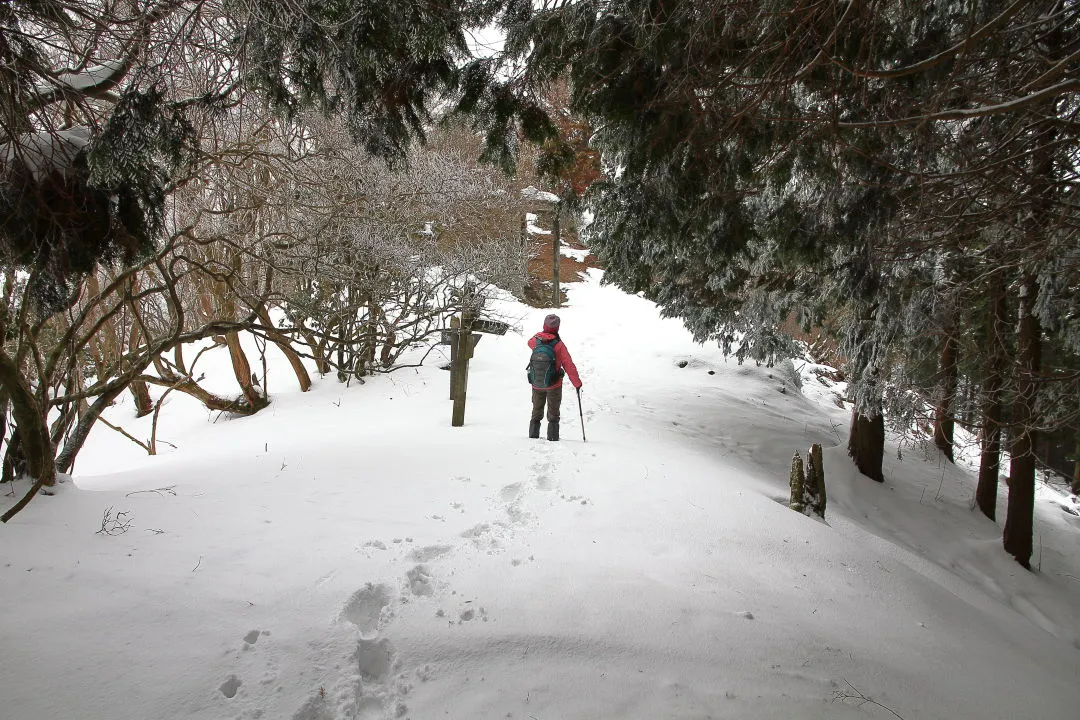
{"x": 581, "y": 415}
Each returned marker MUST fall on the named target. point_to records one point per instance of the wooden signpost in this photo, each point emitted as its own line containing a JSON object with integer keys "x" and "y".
{"x": 463, "y": 340}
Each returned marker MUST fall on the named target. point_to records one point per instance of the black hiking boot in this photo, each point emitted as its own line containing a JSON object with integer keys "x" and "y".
{"x": 534, "y": 429}
{"x": 553, "y": 431}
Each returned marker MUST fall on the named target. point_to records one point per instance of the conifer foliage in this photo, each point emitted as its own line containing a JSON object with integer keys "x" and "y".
{"x": 879, "y": 165}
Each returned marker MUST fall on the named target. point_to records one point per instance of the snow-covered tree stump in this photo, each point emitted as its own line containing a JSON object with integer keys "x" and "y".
{"x": 798, "y": 483}
{"x": 808, "y": 486}
{"x": 814, "y": 488}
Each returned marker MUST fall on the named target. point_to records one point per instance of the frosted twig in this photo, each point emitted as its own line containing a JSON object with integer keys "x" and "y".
{"x": 162, "y": 491}
{"x": 860, "y": 699}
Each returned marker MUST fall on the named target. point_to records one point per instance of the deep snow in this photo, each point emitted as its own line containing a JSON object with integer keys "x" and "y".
{"x": 347, "y": 554}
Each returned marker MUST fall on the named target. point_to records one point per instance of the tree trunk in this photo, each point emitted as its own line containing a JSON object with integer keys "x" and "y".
{"x": 33, "y": 427}
{"x": 1076, "y": 468}
{"x": 797, "y": 482}
{"x": 3, "y": 416}
{"x": 815, "y": 475}
{"x": 365, "y": 364}
{"x": 944, "y": 423}
{"x": 66, "y": 459}
{"x": 990, "y": 460}
{"x": 318, "y": 351}
{"x": 144, "y": 404}
{"x": 14, "y": 462}
{"x": 189, "y": 387}
{"x": 1019, "y": 519}
{"x": 286, "y": 348}
{"x": 866, "y": 443}
{"x": 242, "y": 371}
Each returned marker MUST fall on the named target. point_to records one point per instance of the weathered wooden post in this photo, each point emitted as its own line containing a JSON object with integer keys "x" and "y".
{"x": 463, "y": 343}
{"x": 459, "y": 370}
{"x": 556, "y": 253}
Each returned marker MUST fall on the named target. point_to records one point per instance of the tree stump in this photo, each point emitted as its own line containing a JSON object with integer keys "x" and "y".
{"x": 815, "y": 481}
{"x": 808, "y": 486}
{"x": 798, "y": 483}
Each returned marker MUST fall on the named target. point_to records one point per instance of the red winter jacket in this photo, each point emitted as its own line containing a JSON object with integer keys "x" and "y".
{"x": 563, "y": 361}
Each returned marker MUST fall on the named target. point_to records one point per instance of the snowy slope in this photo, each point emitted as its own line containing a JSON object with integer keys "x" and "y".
{"x": 347, "y": 554}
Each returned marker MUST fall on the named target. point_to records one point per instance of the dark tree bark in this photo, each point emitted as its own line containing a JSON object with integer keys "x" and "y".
{"x": 1076, "y": 469}
{"x": 866, "y": 443}
{"x": 14, "y": 461}
{"x": 33, "y": 428}
{"x": 816, "y": 476}
{"x": 1019, "y": 520}
{"x": 66, "y": 459}
{"x": 144, "y": 404}
{"x": 990, "y": 459}
{"x": 944, "y": 422}
{"x": 3, "y": 416}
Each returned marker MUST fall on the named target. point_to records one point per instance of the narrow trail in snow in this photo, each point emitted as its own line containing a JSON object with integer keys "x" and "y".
{"x": 347, "y": 554}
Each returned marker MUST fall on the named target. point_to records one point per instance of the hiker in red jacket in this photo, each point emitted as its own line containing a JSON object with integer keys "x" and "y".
{"x": 550, "y": 360}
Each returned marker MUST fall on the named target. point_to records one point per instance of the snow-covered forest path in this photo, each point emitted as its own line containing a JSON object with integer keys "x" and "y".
{"x": 347, "y": 554}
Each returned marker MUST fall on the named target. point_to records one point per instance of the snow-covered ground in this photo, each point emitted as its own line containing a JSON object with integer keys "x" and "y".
{"x": 347, "y": 554}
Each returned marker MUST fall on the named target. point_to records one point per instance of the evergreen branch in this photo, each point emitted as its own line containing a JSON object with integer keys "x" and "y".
{"x": 951, "y": 52}
{"x": 1050, "y": 93}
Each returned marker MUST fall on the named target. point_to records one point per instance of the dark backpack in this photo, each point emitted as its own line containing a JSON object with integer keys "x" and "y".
{"x": 541, "y": 370}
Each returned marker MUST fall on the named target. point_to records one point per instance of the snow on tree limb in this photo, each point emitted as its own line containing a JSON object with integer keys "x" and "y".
{"x": 45, "y": 151}
{"x": 1050, "y": 93}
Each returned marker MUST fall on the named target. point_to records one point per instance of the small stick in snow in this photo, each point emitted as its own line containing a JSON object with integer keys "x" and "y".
{"x": 836, "y": 430}
{"x": 162, "y": 491}
{"x": 197, "y": 564}
{"x": 857, "y": 695}
{"x": 117, "y": 524}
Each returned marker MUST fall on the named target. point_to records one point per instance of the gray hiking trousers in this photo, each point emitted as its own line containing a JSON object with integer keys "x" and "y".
{"x": 553, "y": 398}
